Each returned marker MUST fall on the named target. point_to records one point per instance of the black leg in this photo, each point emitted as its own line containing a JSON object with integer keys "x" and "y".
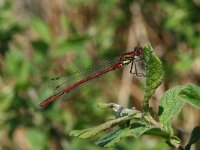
{"x": 131, "y": 70}
{"x": 136, "y": 72}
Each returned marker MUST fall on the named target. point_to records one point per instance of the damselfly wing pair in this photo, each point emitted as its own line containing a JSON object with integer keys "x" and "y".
{"x": 64, "y": 86}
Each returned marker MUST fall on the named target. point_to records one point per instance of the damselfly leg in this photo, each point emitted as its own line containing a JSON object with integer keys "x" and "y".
{"x": 135, "y": 64}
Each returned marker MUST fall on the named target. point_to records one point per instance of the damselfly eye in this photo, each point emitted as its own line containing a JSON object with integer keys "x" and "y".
{"x": 140, "y": 50}
{"x": 136, "y": 49}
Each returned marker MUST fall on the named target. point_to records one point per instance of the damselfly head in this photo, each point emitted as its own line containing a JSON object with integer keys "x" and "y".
{"x": 138, "y": 50}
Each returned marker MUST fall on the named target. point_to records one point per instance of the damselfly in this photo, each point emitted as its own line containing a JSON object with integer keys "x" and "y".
{"x": 64, "y": 87}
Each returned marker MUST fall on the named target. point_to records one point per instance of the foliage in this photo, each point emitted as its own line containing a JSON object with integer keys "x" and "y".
{"x": 154, "y": 74}
{"x": 141, "y": 123}
{"x": 38, "y": 41}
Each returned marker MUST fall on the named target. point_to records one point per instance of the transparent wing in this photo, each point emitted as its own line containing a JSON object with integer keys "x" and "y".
{"x": 81, "y": 88}
{"x": 59, "y": 83}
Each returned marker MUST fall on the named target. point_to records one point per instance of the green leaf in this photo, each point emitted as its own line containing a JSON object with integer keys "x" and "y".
{"x": 135, "y": 130}
{"x": 195, "y": 136}
{"x": 158, "y": 132}
{"x": 191, "y": 94}
{"x": 114, "y": 137}
{"x": 154, "y": 75}
{"x": 173, "y": 100}
{"x": 86, "y": 133}
{"x": 173, "y": 141}
{"x": 170, "y": 140}
{"x": 170, "y": 105}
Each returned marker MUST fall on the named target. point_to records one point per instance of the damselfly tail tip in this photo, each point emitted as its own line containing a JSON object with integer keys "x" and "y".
{"x": 49, "y": 100}
{"x": 42, "y": 104}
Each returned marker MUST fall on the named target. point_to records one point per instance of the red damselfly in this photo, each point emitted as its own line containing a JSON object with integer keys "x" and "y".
{"x": 78, "y": 80}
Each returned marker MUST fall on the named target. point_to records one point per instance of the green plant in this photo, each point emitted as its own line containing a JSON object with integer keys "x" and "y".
{"x": 134, "y": 123}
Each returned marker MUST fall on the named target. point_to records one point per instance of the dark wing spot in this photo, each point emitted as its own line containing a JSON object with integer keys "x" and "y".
{"x": 57, "y": 86}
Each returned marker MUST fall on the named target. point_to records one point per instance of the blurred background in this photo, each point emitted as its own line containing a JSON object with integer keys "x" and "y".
{"x": 44, "y": 39}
